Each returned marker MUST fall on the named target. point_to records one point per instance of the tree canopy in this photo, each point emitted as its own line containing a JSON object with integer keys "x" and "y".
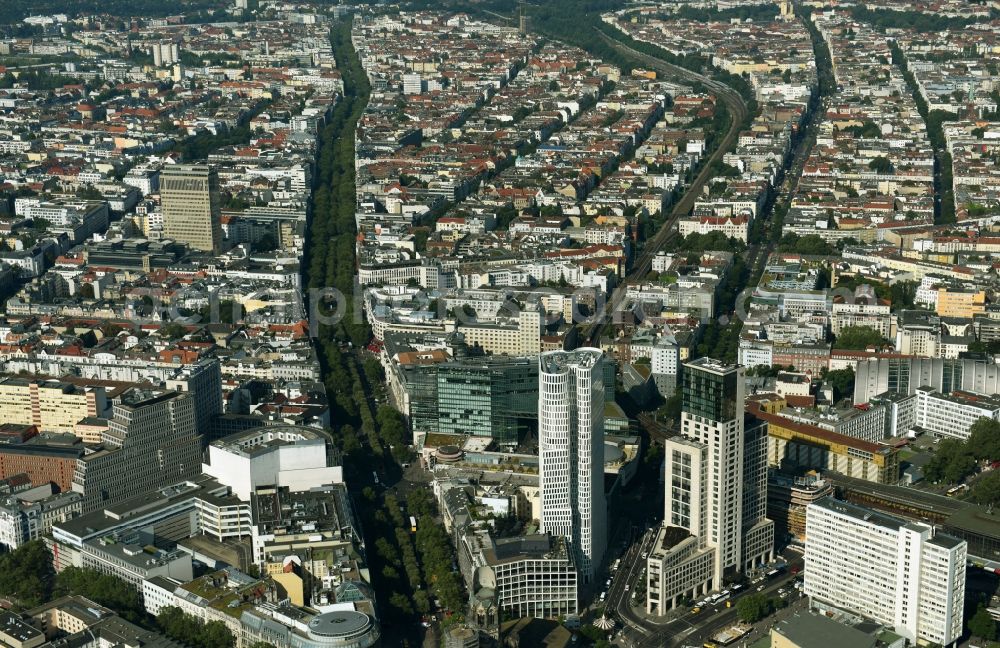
{"x": 842, "y": 381}
{"x": 809, "y": 244}
{"x": 951, "y": 463}
{"x": 858, "y": 337}
{"x": 189, "y": 630}
{"x": 753, "y": 607}
{"x": 26, "y": 574}
{"x": 984, "y": 439}
{"x": 101, "y": 588}
{"x": 982, "y": 625}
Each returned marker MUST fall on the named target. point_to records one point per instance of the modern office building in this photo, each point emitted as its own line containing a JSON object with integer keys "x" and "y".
{"x": 794, "y": 446}
{"x": 903, "y": 574}
{"x": 866, "y": 422}
{"x": 904, "y": 375}
{"x": 151, "y": 442}
{"x": 951, "y": 415}
{"x": 491, "y": 396}
{"x": 787, "y": 499}
{"x": 192, "y": 208}
{"x": 571, "y": 452}
{"x": 203, "y": 380}
{"x": 715, "y": 522}
{"x": 526, "y": 576}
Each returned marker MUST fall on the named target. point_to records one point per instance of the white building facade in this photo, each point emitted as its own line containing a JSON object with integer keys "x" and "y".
{"x": 571, "y": 452}
{"x": 905, "y": 575}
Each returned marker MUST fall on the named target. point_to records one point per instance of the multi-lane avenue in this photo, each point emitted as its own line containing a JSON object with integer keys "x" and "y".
{"x": 642, "y": 631}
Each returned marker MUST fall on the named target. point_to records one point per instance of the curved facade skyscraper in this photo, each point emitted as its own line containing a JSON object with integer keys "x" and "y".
{"x": 571, "y": 452}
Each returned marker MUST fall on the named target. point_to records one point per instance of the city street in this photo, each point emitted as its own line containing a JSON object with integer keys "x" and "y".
{"x": 681, "y": 627}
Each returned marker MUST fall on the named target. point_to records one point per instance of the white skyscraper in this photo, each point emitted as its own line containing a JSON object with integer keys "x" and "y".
{"x": 571, "y": 452}
{"x": 902, "y": 574}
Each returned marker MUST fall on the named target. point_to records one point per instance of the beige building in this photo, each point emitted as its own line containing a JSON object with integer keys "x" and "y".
{"x": 50, "y": 405}
{"x": 192, "y": 213}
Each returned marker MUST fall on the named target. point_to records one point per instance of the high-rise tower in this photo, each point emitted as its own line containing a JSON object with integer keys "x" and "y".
{"x": 716, "y": 490}
{"x": 151, "y": 442}
{"x": 192, "y": 208}
{"x": 571, "y": 452}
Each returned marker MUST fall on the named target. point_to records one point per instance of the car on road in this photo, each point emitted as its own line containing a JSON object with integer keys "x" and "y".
{"x": 626, "y": 587}
{"x": 695, "y": 610}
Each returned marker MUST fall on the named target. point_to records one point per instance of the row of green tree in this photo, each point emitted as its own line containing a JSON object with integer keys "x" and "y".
{"x": 954, "y": 460}
{"x": 417, "y": 568}
{"x": 28, "y": 579}
{"x": 934, "y": 119}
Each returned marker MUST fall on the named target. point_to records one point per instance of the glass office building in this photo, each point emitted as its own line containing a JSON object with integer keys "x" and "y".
{"x": 493, "y": 397}
{"x": 712, "y": 390}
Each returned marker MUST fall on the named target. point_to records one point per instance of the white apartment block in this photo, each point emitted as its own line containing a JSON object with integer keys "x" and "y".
{"x": 874, "y": 315}
{"x": 905, "y": 575}
{"x": 571, "y": 453}
{"x": 951, "y": 415}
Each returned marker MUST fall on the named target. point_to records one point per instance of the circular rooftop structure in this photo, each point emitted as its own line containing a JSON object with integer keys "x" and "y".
{"x": 340, "y": 625}
{"x": 448, "y": 453}
{"x": 612, "y": 453}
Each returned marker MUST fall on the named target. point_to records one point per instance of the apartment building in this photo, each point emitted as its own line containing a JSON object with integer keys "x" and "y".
{"x": 903, "y": 574}
{"x": 192, "y": 207}
{"x": 51, "y": 405}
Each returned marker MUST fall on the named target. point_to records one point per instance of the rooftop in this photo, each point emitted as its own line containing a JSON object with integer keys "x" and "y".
{"x": 560, "y": 361}
{"x": 810, "y": 630}
{"x": 712, "y": 365}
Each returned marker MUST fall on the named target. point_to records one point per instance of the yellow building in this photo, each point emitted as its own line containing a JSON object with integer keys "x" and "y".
{"x": 792, "y": 445}
{"x": 51, "y": 405}
{"x": 959, "y": 303}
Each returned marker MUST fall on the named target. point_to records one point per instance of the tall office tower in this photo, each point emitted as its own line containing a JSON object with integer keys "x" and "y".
{"x": 758, "y": 529}
{"x": 151, "y": 442}
{"x": 714, "y": 521}
{"x": 903, "y": 574}
{"x": 571, "y": 452}
{"x": 204, "y": 381}
{"x": 712, "y": 415}
{"x": 192, "y": 211}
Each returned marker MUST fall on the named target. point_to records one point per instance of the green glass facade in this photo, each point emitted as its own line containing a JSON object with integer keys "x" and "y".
{"x": 710, "y": 394}
{"x": 496, "y": 398}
